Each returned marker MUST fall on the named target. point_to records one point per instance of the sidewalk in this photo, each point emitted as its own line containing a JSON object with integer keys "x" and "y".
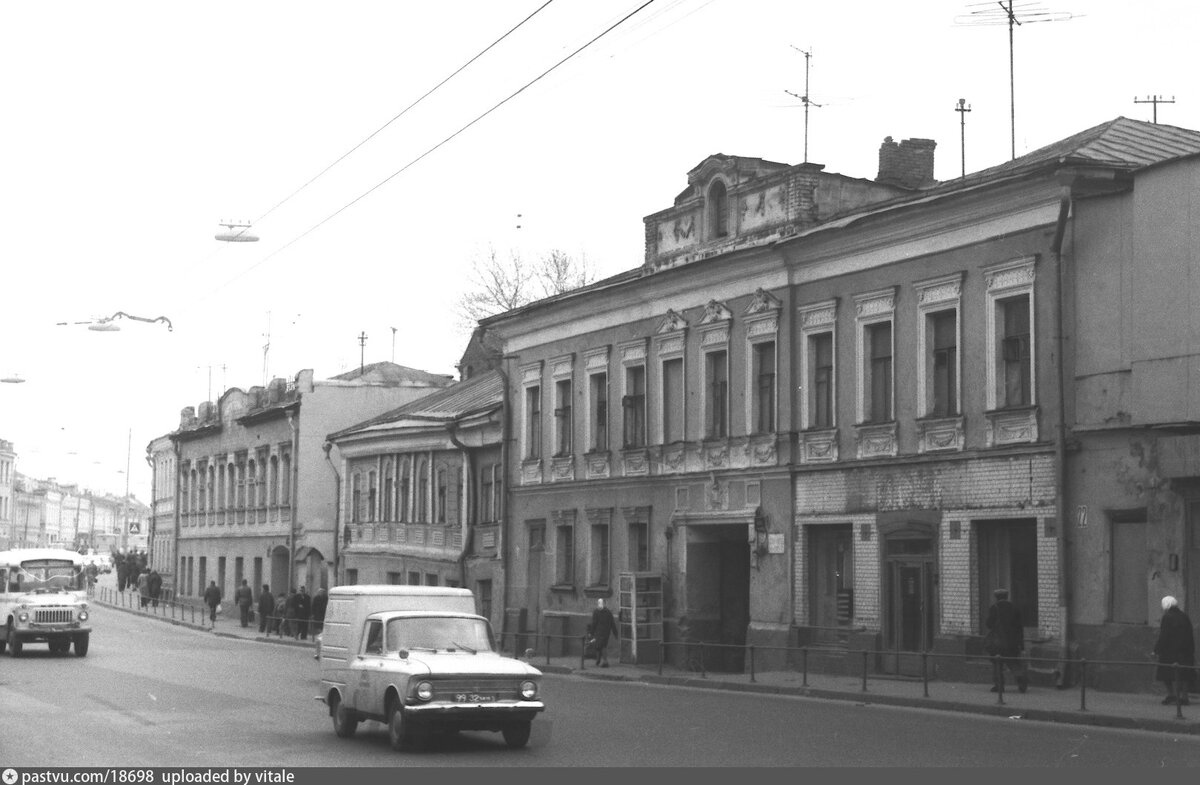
{"x": 1141, "y": 711}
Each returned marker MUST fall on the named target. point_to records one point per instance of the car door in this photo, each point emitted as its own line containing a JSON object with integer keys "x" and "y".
{"x": 367, "y": 670}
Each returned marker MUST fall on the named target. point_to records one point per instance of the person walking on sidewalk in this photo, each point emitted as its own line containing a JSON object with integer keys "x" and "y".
{"x": 1175, "y": 646}
{"x": 303, "y": 610}
{"x": 603, "y": 625}
{"x": 1006, "y": 641}
{"x": 266, "y": 609}
{"x": 143, "y": 589}
{"x": 154, "y": 583}
{"x": 212, "y": 598}
{"x": 244, "y": 598}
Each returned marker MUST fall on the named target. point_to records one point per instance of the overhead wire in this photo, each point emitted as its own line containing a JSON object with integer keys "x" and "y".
{"x": 430, "y": 151}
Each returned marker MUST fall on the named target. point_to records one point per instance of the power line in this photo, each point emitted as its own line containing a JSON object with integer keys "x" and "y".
{"x": 431, "y": 150}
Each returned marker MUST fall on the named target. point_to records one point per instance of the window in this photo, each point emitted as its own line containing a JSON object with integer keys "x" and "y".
{"x": 639, "y": 546}
{"x": 879, "y": 372}
{"x": 388, "y": 492}
{"x": 562, "y": 417}
{"x": 672, "y": 400}
{"x": 487, "y": 485}
{"x": 395, "y": 579}
{"x": 599, "y": 422}
{"x": 483, "y": 593}
{"x": 634, "y": 406}
{"x": 1014, "y": 349}
{"x": 251, "y": 484}
{"x": 422, "y": 479}
{"x": 414, "y": 578}
{"x": 598, "y": 572}
{"x": 405, "y": 488}
{"x": 533, "y": 422}
{"x": 716, "y": 379}
{"x": 943, "y": 327}
{"x": 356, "y": 498}
{"x": 764, "y": 387}
{"x": 285, "y": 463}
{"x": 442, "y": 492}
{"x": 564, "y": 554}
{"x": 817, "y": 351}
{"x": 822, "y": 379}
{"x": 718, "y": 210}
{"x": 372, "y": 496}
{"x": 274, "y": 487}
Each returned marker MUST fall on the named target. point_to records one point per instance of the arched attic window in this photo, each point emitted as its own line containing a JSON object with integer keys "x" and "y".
{"x": 718, "y": 210}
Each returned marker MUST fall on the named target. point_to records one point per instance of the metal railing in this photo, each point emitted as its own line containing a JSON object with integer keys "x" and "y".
{"x": 194, "y": 611}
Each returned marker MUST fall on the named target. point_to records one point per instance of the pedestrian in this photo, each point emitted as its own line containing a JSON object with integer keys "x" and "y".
{"x": 603, "y": 625}
{"x": 281, "y": 622}
{"x": 1005, "y": 641}
{"x": 143, "y": 589}
{"x": 1175, "y": 646}
{"x": 92, "y": 572}
{"x": 266, "y": 610}
{"x": 212, "y": 598}
{"x": 244, "y": 598}
{"x": 303, "y": 611}
{"x": 319, "y": 601}
{"x": 292, "y": 612}
{"x": 155, "y": 584}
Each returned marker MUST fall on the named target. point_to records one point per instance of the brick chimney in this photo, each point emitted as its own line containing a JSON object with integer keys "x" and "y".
{"x": 908, "y": 164}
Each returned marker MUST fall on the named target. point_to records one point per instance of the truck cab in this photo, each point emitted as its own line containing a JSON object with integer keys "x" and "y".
{"x": 422, "y": 661}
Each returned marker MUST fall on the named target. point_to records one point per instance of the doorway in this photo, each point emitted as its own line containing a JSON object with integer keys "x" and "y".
{"x": 718, "y": 592}
{"x": 909, "y": 599}
{"x": 1008, "y": 559}
{"x": 831, "y": 583}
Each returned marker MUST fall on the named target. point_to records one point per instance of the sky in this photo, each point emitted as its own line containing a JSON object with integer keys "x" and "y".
{"x": 130, "y": 131}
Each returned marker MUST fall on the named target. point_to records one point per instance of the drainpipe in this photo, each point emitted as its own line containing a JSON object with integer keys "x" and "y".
{"x": 337, "y": 511}
{"x": 291, "y": 538}
{"x": 505, "y": 451}
{"x": 464, "y": 510}
{"x": 1060, "y": 436}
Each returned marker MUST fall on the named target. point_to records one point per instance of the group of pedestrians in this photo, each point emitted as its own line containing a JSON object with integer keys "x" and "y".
{"x": 295, "y": 614}
{"x": 149, "y": 587}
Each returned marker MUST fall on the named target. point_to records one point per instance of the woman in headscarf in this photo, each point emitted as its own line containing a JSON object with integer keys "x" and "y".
{"x": 1175, "y": 646}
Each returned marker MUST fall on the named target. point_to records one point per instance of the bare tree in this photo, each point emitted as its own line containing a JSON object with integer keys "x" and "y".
{"x": 498, "y": 284}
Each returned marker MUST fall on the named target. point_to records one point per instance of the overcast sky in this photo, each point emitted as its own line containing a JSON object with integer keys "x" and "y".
{"x": 132, "y": 129}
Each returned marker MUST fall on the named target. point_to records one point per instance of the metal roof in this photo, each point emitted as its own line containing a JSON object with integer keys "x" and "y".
{"x": 476, "y": 394}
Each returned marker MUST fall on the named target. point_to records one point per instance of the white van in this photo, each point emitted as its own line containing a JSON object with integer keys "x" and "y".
{"x": 420, "y": 659}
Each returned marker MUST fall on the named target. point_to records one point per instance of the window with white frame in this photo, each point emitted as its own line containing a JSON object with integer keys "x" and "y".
{"x": 1010, "y": 334}
{"x": 564, "y": 549}
{"x": 875, "y": 313}
{"x": 598, "y": 410}
{"x": 817, "y": 351}
{"x": 563, "y": 430}
{"x": 718, "y": 210}
{"x": 599, "y": 557}
{"x": 762, "y": 384}
{"x": 762, "y": 371}
{"x": 716, "y": 401}
{"x": 533, "y": 421}
{"x": 672, "y": 400}
{"x": 633, "y": 405}
{"x": 938, "y": 331}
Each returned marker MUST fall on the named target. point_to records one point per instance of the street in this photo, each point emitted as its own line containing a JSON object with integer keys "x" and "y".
{"x": 154, "y": 694}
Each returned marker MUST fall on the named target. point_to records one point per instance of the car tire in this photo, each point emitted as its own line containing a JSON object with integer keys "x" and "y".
{"x": 397, "y": 728}
{"x": 14, "y": 644}
{"x": 516, "y": 734}
{"x": 344, "y": 724}
{"x": 81, "y": 646}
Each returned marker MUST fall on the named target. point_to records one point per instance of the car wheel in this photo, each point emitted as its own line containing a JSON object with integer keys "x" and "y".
{"x": 14, "y": 645}
{"x": 81, "y": 646}
{"x": 516, "y": 734}
{"x": 344, "y": 724}
{"x": 397, "y": 732}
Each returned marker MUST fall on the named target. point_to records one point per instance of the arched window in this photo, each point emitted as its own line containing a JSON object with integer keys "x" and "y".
{"x": 718, "y": 210}
{"x": 212, "y": 487}
{"x": 252, "y": 485}
{"x": 422, "y": 480}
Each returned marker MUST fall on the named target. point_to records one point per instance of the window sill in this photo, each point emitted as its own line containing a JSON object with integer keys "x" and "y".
{"x": 599, "y": 590}
{"x": 563, "y": 588}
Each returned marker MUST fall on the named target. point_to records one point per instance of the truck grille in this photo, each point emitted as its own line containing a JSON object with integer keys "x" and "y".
{"x": 53, "y": 616}
{"x": 501, "y": 689}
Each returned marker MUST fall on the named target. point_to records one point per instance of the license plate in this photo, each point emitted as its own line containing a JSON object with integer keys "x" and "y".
{"x": 471, "y": 697}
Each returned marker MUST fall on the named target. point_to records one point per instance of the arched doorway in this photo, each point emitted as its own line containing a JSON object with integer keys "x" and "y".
{"x": 281, "y": 575}
{"x": 909, "y": 602}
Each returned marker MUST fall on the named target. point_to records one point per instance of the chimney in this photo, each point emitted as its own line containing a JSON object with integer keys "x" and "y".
{"x": 908, "y": 164}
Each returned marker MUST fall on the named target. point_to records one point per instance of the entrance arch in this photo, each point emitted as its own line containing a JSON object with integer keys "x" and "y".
{"x": 281, "y": 575}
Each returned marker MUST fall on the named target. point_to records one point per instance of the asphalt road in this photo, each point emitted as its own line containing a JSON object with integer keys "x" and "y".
{"x": 153, "y": 694}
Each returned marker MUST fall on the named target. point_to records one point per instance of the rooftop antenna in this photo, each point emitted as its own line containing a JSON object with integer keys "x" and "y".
{"x": 1156, "y": 100}
{"x": 962, "y": 109}
{"x": 393, "y": 345}
{"x": 804, "y": 98}
{"x": 1008, "y": 13}
{"x": 266, "y": 349}
{"x": 362, "y": 347}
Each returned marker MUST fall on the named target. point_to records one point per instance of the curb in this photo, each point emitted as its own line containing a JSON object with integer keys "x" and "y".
{"x": 308, "y": 644}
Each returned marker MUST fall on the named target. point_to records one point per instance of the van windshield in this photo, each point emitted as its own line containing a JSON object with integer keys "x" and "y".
{"x": 439, "y": 633}
{"x": 45, "y": 575}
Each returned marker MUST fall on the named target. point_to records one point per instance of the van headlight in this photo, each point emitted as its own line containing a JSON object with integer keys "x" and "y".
{"x": 23, "y": 616}
{"x": 424, "y": 691}
{"x": 529, "y": 690}
{"x": 83, "y": 615}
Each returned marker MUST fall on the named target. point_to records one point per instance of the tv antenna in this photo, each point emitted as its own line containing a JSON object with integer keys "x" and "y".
{"x": 1007, "y": 12}
{"x": 235, "y": 232}
{"x": 1156, "y": 100}
{"x": 804, "y": 99}
{"x": 962, "y": 109}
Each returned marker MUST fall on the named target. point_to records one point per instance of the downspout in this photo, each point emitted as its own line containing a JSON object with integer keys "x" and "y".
{"x": 337, "y": 512}
{"x": 291, "y": 538}
{"x": 464, "y": 510}
{"x": 1060, "y": 436}
{"x": 176, "y": 568}
{"x": 505, "y": 450}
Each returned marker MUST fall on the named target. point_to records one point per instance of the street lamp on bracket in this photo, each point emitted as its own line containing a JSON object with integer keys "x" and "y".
{"x": 108, "y": 324}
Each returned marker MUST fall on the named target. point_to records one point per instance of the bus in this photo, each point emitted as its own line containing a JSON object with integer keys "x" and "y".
{"x": 43, "y": 599}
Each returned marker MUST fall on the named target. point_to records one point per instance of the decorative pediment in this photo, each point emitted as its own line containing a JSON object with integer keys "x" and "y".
{"x": 763, "y": 302}
{"x": 715, "y": 312}
{"x": 671, "y": 323}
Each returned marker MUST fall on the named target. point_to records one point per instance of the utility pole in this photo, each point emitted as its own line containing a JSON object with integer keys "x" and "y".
{"x": 962, "y": 110}
{"x": 804, "y": 98}
{"x": 1156, "y": 100}
{"x": 393, "y": 344}
{"x": 362, "y": 346}
{"x": 125, "y": 501}
{"x": 266, "y": 349}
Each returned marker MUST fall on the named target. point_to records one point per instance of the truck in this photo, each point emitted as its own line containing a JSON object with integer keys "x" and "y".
{"x": 421, "y": 660}
{"x": 43, "y": 599}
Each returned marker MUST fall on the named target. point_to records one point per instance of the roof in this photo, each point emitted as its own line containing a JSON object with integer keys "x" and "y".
{"x": 387, "y": 372}
{"x": 477, "y": 394}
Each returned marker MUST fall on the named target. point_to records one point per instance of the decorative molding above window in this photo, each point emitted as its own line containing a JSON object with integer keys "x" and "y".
{"x": 596, "y": 359}
{"x": 564, "y": 517}
{"x": 762, "y": 315}
{"x": 1017, "y": 274}
{"x": 636, "y": 514}
{"x": 875, "y": 440}
{"x": 940, "y": 434}
{"x": 599, "y": 515}
{"x": 634, "y": 352}
{"x": 1011, "y": 426}
{"x": 671, "y": 323}
{"x": 818, "y": 317}
{"x": 671, "y": 346}
{"x": 763, "y": 302}
{"x": 936, "y": 296}
{"x": 561, "y": 367}
{"x": 876, "y": 305}
{"x": 531, "y": 373}
{"x": 714, "y": 324}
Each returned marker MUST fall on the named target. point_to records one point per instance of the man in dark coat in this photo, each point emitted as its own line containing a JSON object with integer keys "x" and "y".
{"x": 266, "y": 610}
{"x": 603, "y": 625}
{"x": 212, "y": 598}
{"x": 1175, "y": 646}
{"x": 303, "y": 610}
{"x": 292, "y": 612}
{"x": 1007, "y": 633}
{"x": 155, "y": 584}
{"x": 244, "y": 598}
{"x": 319, "y": 601}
